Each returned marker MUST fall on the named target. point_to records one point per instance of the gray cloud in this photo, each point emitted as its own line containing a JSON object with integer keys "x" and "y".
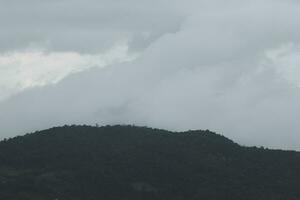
{"x": 222, "y": 68}
{"x": 87, "y": 27}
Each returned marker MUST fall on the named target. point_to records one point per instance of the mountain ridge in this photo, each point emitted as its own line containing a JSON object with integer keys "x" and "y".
{"x": 129, "y": 162}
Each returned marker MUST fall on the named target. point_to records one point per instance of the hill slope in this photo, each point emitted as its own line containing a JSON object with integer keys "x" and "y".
{"x": 127, "y": 162}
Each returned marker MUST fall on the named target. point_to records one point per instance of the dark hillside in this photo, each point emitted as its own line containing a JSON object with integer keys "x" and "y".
{"x": 127, "y": 162}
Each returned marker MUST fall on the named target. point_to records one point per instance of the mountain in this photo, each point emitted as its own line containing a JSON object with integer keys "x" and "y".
{"x": 134, "y": 163}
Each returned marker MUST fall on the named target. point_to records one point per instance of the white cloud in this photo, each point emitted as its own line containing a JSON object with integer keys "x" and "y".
{"x": 286, "y": 61}
{"x": 36, "y": 68}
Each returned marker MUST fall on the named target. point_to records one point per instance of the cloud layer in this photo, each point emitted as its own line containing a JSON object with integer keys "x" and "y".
{"x": 232, "y": 68}
{"x": 88, "y": 27}
{"x": 25, "y": 70}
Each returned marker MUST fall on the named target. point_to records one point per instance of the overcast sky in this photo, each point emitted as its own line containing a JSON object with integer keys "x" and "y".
{"x": 229, "y": 66}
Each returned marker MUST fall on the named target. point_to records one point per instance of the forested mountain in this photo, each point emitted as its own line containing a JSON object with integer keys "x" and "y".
{"x": 139, "y": 163}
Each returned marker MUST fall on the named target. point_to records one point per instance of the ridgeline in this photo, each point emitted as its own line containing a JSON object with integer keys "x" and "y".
{"x": 139, "y": 163}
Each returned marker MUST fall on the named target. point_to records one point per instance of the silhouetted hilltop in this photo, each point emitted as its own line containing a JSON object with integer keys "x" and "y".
{"x": 128, "y": 162}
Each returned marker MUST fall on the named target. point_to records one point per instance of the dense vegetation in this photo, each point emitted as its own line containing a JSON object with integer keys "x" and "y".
{"x": 128, "y": 163}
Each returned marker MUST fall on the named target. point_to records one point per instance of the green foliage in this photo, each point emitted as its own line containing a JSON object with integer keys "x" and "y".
{"x": 127, "y": 162}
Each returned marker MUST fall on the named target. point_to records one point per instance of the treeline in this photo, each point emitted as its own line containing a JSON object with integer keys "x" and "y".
{"x": 128, "y": 162}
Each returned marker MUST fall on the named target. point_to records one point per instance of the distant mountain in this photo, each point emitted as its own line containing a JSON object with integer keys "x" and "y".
{"x": 138, "y": 163}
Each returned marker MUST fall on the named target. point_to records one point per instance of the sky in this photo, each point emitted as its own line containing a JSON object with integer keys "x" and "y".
{"x": 232, "y": 67}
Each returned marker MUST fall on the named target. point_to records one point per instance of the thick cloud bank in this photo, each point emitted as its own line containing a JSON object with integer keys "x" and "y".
{"x": 231, "y": 68}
